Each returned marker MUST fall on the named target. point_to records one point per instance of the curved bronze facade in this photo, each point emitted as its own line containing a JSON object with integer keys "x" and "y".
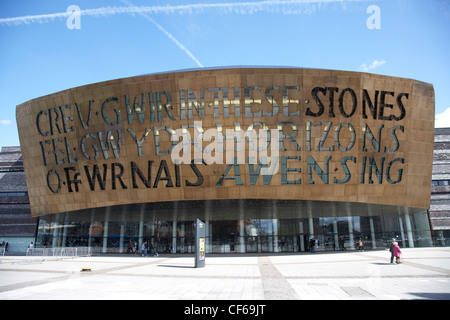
{"x": 236, "y": 133}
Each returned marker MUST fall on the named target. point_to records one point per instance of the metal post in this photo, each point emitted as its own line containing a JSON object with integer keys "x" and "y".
{"x": 372, "y": 234}
{"x": 200, "y": 234}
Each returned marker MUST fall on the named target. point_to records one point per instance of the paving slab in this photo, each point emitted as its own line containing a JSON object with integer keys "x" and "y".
{"x": 351, "y": 275}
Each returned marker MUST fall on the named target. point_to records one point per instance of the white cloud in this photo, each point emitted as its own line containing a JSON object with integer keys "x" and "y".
{"x": 5, "y": 122}
{"x": 442, "y": 120}
{"x": 375, "y": 64}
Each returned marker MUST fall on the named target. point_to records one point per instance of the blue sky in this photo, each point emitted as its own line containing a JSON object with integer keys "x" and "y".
{"x": 40, "y": 54}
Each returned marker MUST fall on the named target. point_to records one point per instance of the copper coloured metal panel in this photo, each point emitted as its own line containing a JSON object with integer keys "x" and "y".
{"x": 233, "y": 133}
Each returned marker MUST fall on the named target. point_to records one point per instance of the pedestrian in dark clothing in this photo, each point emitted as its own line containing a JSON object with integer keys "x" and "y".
{"x": 312, "y": 245}
{"x": 342, "y": 244}
{"x": 152, "y": 249}
{"x": 391, "y": 250}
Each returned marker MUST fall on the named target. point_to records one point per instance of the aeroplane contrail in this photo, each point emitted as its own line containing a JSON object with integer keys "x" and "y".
{"x": 243, "y": 8}
{"x": 278, "y": 6}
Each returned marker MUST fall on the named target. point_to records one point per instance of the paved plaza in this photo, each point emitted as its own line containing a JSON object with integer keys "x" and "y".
{"x": 351, "y": 275}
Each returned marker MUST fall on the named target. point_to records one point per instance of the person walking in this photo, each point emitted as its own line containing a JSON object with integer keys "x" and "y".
{"x": 342, "y": 244}
{"x": 130, "y": 247}
{"x": 360, "y": 245}
{"x": 397, "y": 252}
{"x": 144, "y": 249}
{"x": 30, "y": 248}
{"x": 391, "y": 250}
{"x": 152, "y": 249}
{"x": 312, "y": 245}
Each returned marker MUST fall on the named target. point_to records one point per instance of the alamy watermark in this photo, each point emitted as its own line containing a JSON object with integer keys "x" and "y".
{"x": 374, "y": 20}
{"x": 229, "y": 148}
{"x": 74, "y": 19}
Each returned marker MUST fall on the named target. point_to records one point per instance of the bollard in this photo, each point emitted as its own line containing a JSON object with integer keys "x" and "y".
{"x": 200, "y": 244}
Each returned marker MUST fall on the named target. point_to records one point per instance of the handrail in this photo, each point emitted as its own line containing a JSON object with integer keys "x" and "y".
{"x": 60, "y": 252}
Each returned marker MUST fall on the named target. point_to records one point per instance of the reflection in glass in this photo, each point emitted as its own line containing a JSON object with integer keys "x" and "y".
{"x": 238, "y": 226}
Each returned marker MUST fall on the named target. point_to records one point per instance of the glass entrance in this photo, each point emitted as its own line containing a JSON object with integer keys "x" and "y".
{"x": 223, "y": 236}
{"x": 253, "y": 229}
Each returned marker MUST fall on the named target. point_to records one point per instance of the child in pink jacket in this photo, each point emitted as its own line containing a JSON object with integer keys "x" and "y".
{"x": 397, "y": 252}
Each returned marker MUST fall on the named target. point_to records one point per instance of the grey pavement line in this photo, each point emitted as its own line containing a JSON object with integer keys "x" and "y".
{"x": 427, "y": 267}
{"x": 26, "y": 284}
{"x": 261, "y": 277}
{"x": 34, "y": 270}
{"x": 407, "y": 261}
{"x": 276, "y": 287}
{"x": 321, "y": 262}
{"x": 129, "y": 266}
{"x": 275, "y": 284}
{"x": 183, "y": 276}
{"x": 266, "y": 272}
{"x": 438, "y": 276}
{"x": 126, "y": 266}
{"x": 357, "y": 292}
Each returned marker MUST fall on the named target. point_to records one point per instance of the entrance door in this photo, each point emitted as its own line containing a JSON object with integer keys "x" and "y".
{"x": 225, "y": 236}
{"x": 251, "y": 244}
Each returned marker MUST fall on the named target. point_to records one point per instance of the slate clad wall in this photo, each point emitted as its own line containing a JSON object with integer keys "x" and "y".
{"x": 440, "y": 189}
